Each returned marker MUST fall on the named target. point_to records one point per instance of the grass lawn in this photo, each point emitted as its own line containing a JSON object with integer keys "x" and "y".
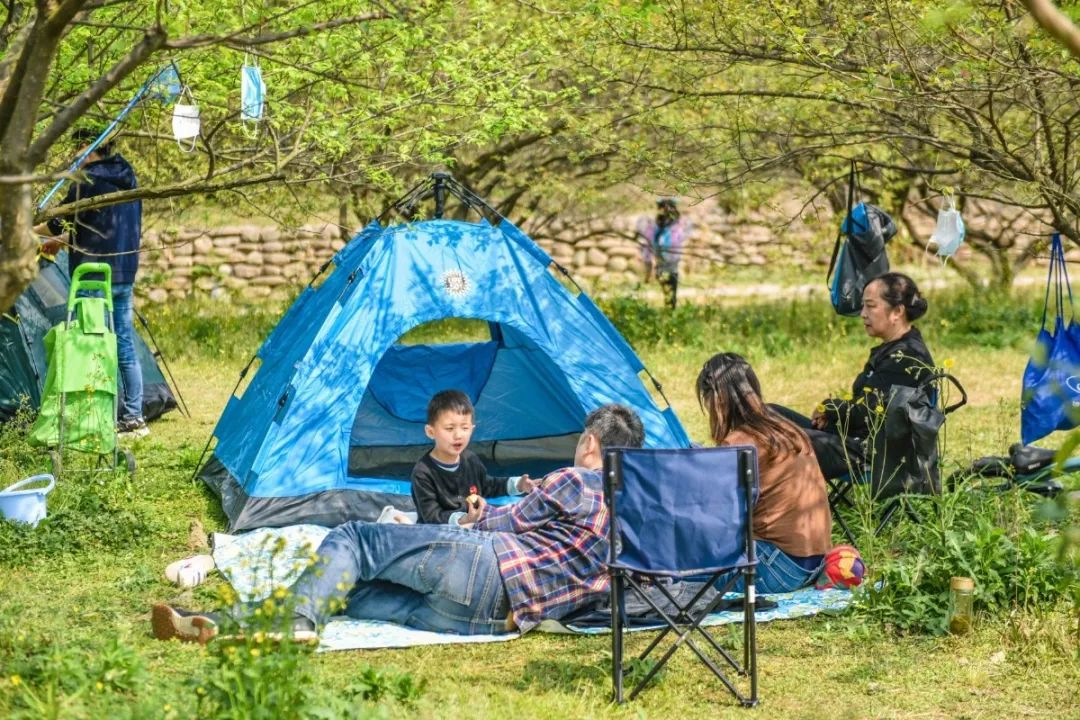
{"x": 75, "y": 637}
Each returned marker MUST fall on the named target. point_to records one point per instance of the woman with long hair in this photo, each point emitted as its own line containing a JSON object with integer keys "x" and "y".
{"x": 792, "y": 522}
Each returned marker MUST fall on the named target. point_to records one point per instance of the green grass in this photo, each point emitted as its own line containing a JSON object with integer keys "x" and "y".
{"x": 74, "y": 599}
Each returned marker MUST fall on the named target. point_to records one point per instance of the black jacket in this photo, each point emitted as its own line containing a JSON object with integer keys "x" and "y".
{"x": 903, "y": 361}
{"x": 438, "y": 493}
{"x": 99, "y": 235}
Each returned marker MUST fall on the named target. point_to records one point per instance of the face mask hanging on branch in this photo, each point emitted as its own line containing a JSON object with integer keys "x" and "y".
{"x": 185, "y": 121}
{"x": 949, "y": 233}
{"x": 252, "y": 93}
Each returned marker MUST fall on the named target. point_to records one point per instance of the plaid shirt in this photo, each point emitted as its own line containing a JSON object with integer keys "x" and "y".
{"x": 552, "y": 545}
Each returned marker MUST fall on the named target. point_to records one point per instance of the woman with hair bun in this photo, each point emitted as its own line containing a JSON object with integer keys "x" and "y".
{"x": 891, "y": 303}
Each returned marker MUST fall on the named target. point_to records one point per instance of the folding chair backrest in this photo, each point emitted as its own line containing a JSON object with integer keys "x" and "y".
{"x": 680, "y": 512}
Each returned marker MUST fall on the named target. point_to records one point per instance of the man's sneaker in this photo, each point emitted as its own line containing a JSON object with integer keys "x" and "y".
{"x": 172, "y": 622}
{"x": 301, "y": 631}
{"x": 304, "y": 631}
{"x": 132, "y": 427}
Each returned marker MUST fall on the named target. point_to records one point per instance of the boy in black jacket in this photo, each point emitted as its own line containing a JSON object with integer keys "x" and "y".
{"x": 448, "y": 481}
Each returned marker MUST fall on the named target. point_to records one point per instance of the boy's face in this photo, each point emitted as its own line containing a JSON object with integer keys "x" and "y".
{"x": 451, "y": 432}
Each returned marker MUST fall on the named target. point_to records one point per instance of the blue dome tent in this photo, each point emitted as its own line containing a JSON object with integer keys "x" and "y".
{"x": 332, "y": 422}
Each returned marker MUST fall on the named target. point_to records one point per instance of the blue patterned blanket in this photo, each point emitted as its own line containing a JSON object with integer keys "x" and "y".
{"x": 257, "y": 562}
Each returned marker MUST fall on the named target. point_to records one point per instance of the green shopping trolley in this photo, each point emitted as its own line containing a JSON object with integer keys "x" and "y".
{"x": 79, "y": 401}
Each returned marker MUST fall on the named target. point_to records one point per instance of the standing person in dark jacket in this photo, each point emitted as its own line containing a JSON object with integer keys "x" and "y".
{"x": 449, "y": 480}
{"x": 110, "y": 235}
{"x": 838, "y": 427}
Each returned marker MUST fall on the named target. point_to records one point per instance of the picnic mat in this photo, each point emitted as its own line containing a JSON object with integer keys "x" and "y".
{"x": 258, "y": 561}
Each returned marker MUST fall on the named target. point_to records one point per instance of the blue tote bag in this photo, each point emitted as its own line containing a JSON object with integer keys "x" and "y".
{"x": 1050, "y": 399}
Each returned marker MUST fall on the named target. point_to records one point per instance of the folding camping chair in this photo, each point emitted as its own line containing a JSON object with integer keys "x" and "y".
{"x": 682, "y": 513}
{"x": 902, "y": 460}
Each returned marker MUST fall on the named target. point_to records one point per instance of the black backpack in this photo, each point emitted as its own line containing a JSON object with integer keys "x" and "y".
{"x": 859, "y": 253}
{"x": 904, "y": 454}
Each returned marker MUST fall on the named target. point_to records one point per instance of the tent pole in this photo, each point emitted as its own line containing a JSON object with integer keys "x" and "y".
{"x": 161, "y": 356}
{"x": 202, "y": 455}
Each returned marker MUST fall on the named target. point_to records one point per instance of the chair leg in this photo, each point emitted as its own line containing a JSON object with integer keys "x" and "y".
{"x": 843, "y": 525}
{"x": 912, "y": 515}
{"x": 887, "y": 515}
{"x": 838, "y": 495}
{"x": 617, "y": 637}
{"x": 750, "y": 634}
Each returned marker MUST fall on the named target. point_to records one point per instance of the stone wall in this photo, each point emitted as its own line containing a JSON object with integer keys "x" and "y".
{"x": 608, "y": 248}
{"x": 247, "y": 260}
{"x": 258, "y": 261}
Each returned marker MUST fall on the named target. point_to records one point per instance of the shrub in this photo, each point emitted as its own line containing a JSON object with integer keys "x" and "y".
{"x": 48, "y": 679}
{"x": 260, "y": 673}
{"x": 957, "y": 318}
{"x": 996, "y": 539}
{"x": 87, "y": 522}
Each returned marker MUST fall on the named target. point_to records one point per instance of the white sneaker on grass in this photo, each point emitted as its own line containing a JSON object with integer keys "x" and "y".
{"x": 190, "y": 571}
{"x": 132, "y": 427}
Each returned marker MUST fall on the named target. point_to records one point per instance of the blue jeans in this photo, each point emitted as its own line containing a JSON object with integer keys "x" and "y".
{"x": 776, "y": 571}
{"x": 130, "y": 406}
{"x": 430, "y": 577}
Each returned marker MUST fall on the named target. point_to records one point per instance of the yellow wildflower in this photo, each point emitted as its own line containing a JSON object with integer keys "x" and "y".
{"x": 880, "y": 410}
{"x": 16, "y": 680}
{"x": 947, "y": 363}
{"x": 254, "y": 652}
{"x": 281, "y": 593}
{"x": 847, "y": 395}
{"x": 820, "y": 407}
{"x": 100, "y": 686}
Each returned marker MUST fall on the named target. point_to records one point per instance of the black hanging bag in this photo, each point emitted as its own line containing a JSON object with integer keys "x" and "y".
{"x": 859, "y": 253}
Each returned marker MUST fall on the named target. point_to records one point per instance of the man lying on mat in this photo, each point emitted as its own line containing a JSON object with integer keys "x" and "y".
{"x": 541, "y": 558}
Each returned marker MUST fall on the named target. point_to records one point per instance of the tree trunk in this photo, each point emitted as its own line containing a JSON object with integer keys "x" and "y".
{"x": 18, "y": 259}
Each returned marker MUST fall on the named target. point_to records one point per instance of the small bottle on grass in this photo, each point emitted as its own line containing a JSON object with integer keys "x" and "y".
{"x": 961, "y": 612}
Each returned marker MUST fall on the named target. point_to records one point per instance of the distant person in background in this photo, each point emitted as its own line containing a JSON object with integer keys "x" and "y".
{"x": 662, "y": 242}
{"x": 110, "y": 235}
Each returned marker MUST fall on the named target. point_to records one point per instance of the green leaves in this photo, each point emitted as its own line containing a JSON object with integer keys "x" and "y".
{"x": 981, "y": 535}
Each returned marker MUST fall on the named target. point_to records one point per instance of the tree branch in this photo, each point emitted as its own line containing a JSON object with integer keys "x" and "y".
{"x": 152, "y": 40}
{"x": 1056, "y": 23}
{"x": 189, "y": 187}
{"x": 236, "y": 41}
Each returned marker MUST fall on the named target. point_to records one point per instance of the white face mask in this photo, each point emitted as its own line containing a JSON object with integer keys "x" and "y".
{"x": 949, "y": 233}
{"x": 185, "y": 125}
